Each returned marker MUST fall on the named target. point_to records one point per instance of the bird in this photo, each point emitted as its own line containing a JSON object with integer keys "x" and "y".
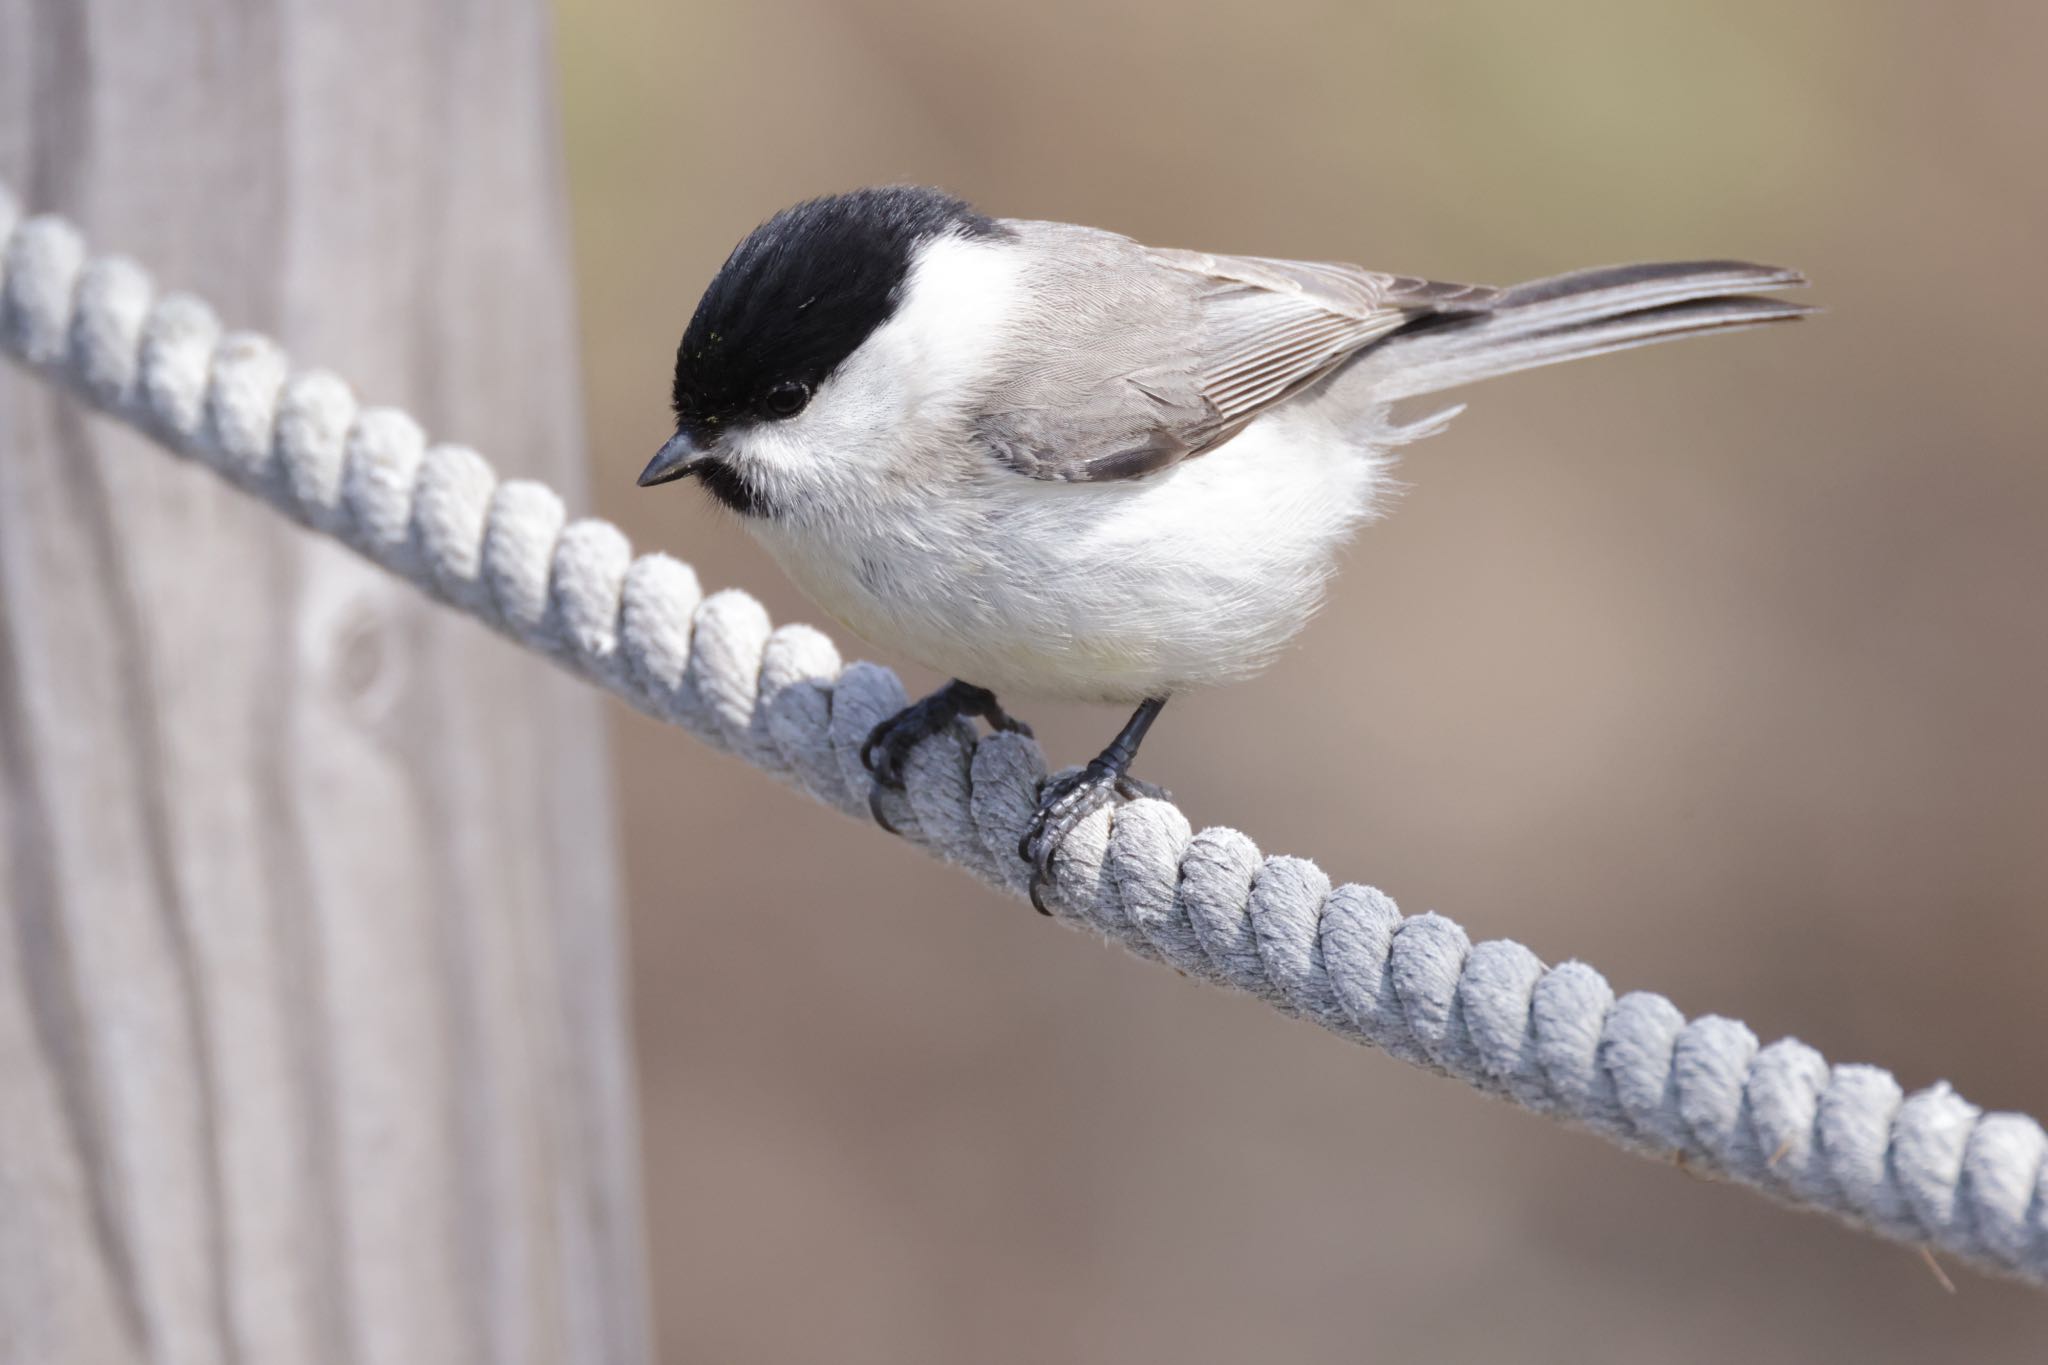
{"x": 1050, "y": 462}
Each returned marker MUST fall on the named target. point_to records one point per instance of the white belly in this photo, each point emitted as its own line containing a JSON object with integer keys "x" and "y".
{"x": 1109, "y": 592}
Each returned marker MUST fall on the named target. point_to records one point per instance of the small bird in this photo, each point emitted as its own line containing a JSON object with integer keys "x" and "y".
{"x": 1048, "y": 461}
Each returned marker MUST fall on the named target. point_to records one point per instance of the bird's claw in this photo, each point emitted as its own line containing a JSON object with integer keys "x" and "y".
{"x": 885, "y": 753}
{"x": 1063, "y": 803}
{"x": 887, "y": 747}
{"x": 875, "y": 809}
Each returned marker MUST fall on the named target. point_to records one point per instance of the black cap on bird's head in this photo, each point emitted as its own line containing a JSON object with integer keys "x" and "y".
{"x": 791, "y": 303}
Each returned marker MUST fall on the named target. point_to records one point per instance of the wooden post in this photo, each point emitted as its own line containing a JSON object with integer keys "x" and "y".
{"x": 312, "y": 1038}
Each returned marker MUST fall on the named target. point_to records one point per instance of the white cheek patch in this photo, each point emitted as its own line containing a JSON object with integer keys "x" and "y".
{"x": 908, "y": 383}
{"x": 945, "y": 334}
{"x": 858, "y": 399}
{"x": 956, "y": 310}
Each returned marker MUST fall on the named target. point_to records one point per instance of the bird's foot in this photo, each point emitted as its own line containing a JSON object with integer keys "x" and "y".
{"x": 889, "y": 745}
{"x": 1063, "y": 804}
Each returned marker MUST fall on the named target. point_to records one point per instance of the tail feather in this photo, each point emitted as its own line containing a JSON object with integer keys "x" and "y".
{"x": 1566, "y": 317}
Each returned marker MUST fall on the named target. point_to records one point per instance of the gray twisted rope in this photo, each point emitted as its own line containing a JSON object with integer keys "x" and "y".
{"x": 1926, "y": 1168}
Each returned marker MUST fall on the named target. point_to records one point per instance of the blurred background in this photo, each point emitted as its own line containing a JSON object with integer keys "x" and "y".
{"x": 1719, "y": 665}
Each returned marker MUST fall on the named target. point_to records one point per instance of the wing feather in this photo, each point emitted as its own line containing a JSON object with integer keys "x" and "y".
{"x": 1138, "y": 358}
{"x": 1270, "y": 327}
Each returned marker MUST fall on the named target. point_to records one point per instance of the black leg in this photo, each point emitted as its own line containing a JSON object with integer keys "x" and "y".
{"x": 1064, "y": 804}
{"x": 889, "y": 744}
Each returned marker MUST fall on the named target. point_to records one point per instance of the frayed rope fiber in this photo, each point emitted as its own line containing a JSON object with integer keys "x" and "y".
{"x": 1928, "y": 1168}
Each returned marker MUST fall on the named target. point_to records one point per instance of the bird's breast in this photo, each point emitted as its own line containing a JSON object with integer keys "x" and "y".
{"x": 1101, "y": 592}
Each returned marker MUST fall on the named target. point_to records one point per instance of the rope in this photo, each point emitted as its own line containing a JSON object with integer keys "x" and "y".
{"x": 1928, "y": 1168}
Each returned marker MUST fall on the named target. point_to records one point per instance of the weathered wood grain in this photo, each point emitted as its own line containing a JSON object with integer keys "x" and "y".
{"x": 312, "y": 1044}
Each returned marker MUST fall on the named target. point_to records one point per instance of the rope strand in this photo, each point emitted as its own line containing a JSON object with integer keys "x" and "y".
{"x": 1928, "y": 1168}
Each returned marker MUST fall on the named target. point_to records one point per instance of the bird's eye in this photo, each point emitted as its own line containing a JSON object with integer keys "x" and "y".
{"x": 786, "y": 399}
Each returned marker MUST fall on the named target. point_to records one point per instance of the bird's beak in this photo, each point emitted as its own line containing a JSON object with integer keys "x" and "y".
{"x": 677, "y": 456}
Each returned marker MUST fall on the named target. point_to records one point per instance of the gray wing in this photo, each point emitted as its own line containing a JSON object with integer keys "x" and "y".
{"x": 1270, "y": 328}
{"x": 1141, "y": 358}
